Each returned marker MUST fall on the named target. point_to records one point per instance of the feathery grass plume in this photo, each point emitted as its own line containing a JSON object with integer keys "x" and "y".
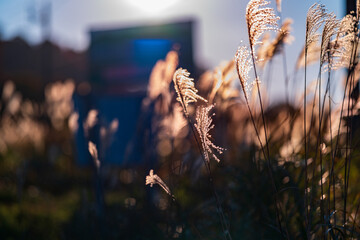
{"x": 176, "y": 123}
{"x": 278, "y": 5}
{"x": 314, "y": 19}
{"x": 90, "y": 121}
{"x": 270, "y": 49}
{"x": 185, "y": 88}
{"x": 223, "y": 76}
{"x": 59, "y": 103}
{"x": 330, "y": 27}
{"x": 262, "y": 50}
{"x": 94, "y": 154}
{"x": 8, "y": 90}
{"x": 152, "y": 179}
{"x": 161, "y": 75}
{"x": 73, "y": 122}
{"x": 341, "y": 47}
{"x": 243, "y": 67}
{"x": 203, "y": 125}
{"x": 259, "y": 19}
{"x": 282, "y": 37}
{"x": 313, "y": 53}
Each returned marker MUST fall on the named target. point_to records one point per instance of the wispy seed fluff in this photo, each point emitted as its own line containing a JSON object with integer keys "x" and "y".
{"x": 313, "y": 53}
{"x": 94, "y": 154}
{"x": 314, "y": 19}
{"x": 185, "y": 88}
{"x": 152, "y": 179}
{"x": 259, "y": 19}
{"x": 91, "y": 120}
{"x": 342, "y": 46}
{"x": 268, "y": 49}
{"x": 203, "y": 126}
{"x": 330, "y": 27}
{"x": 243, "y": 65}
{"x": 278, "y": 5}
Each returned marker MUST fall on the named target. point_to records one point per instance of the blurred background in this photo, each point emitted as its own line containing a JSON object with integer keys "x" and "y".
{"x": 78, "y": 70}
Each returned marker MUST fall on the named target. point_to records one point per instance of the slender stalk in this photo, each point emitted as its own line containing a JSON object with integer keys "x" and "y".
{"x": 223, "y": 223}
{"x": 332, "y": 159}
{"x": 305, "y": 148}
{"x": 286, "y": 79}
{"x": 321, "y": 167}
{"x": 347, "y": 150}
{"x": 266, "y": 143}
{"x": 269, "y": 73}
{"x": 331, "y": 143}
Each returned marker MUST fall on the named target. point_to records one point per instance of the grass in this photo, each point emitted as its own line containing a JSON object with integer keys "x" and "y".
{"x": 288, "y": 171}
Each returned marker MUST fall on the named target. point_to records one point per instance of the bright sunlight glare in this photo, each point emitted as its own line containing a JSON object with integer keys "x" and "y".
{"x": 152, "y": 6}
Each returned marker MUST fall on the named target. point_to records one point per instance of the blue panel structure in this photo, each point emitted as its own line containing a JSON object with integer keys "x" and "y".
{"x": 120, "y": 62}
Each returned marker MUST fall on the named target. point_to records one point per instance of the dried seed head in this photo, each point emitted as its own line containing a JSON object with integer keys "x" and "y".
{"x": 313, "y": 53}
{"x": 152, "y": 179}
{"x": 90, "y": 121}
{"x": 73, "y": 122}
{"x": 8, "y": 90}
{"x": 161, "y": 74}
{"x": 185, "y": 88}
{"x": 278, "y": 5}
{"x": 341, "y": 47}
{"x": 314, "y": 20}
{"x": 203, "y": 126}
{"x": 330, "y": 27}
{"x": 243, "y": 67}
{"x": 223, "y": 76}
{"x": 262, "y": 50}
{"x": 94, "y": 154}
{"x": 259, "y": 20}
{"x": 269, "y": 49}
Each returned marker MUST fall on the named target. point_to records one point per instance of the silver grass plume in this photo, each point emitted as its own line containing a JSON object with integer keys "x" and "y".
{"x": 203, "y": 125}
{"x": 152, "y": 179}
{"x": 282, "y": 37}
{"x": 330, "y": 27}
{"x": 259, "y": 19}
{"x": 313, "y": 53}
{"x": 243, "y": 65}
{"x": 185, "y": 89}
{"x": 268, "y": 49}
{"x": 278, "y": 5}
{"x": 341, "y": 47}
{"x": 314, "y": 19}
{"x": 91, "y": 121}
{"x": 94, "y": 154}
{"x": 262, "y": 50}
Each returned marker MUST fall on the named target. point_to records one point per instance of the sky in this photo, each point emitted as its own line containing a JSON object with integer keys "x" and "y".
{"x": 220, "y": 24}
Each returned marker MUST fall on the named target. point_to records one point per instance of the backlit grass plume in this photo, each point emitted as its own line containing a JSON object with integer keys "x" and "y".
{"x": 313, "y": 53}
{"x": 330, "y": 27}
{"x": 342, "y": 46}
{"x": 94, "y": 154}
{"x": 278, "y": 5}
{"x": 314, "y": 19}
{"x": 152, "y": 179}
{"x": 270, "y": 48}
{"x": 259, "y": 19}
{"x": 203, "y": 126}
{"x": 243, "y": 67}
{"x": 185, "y": 88}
